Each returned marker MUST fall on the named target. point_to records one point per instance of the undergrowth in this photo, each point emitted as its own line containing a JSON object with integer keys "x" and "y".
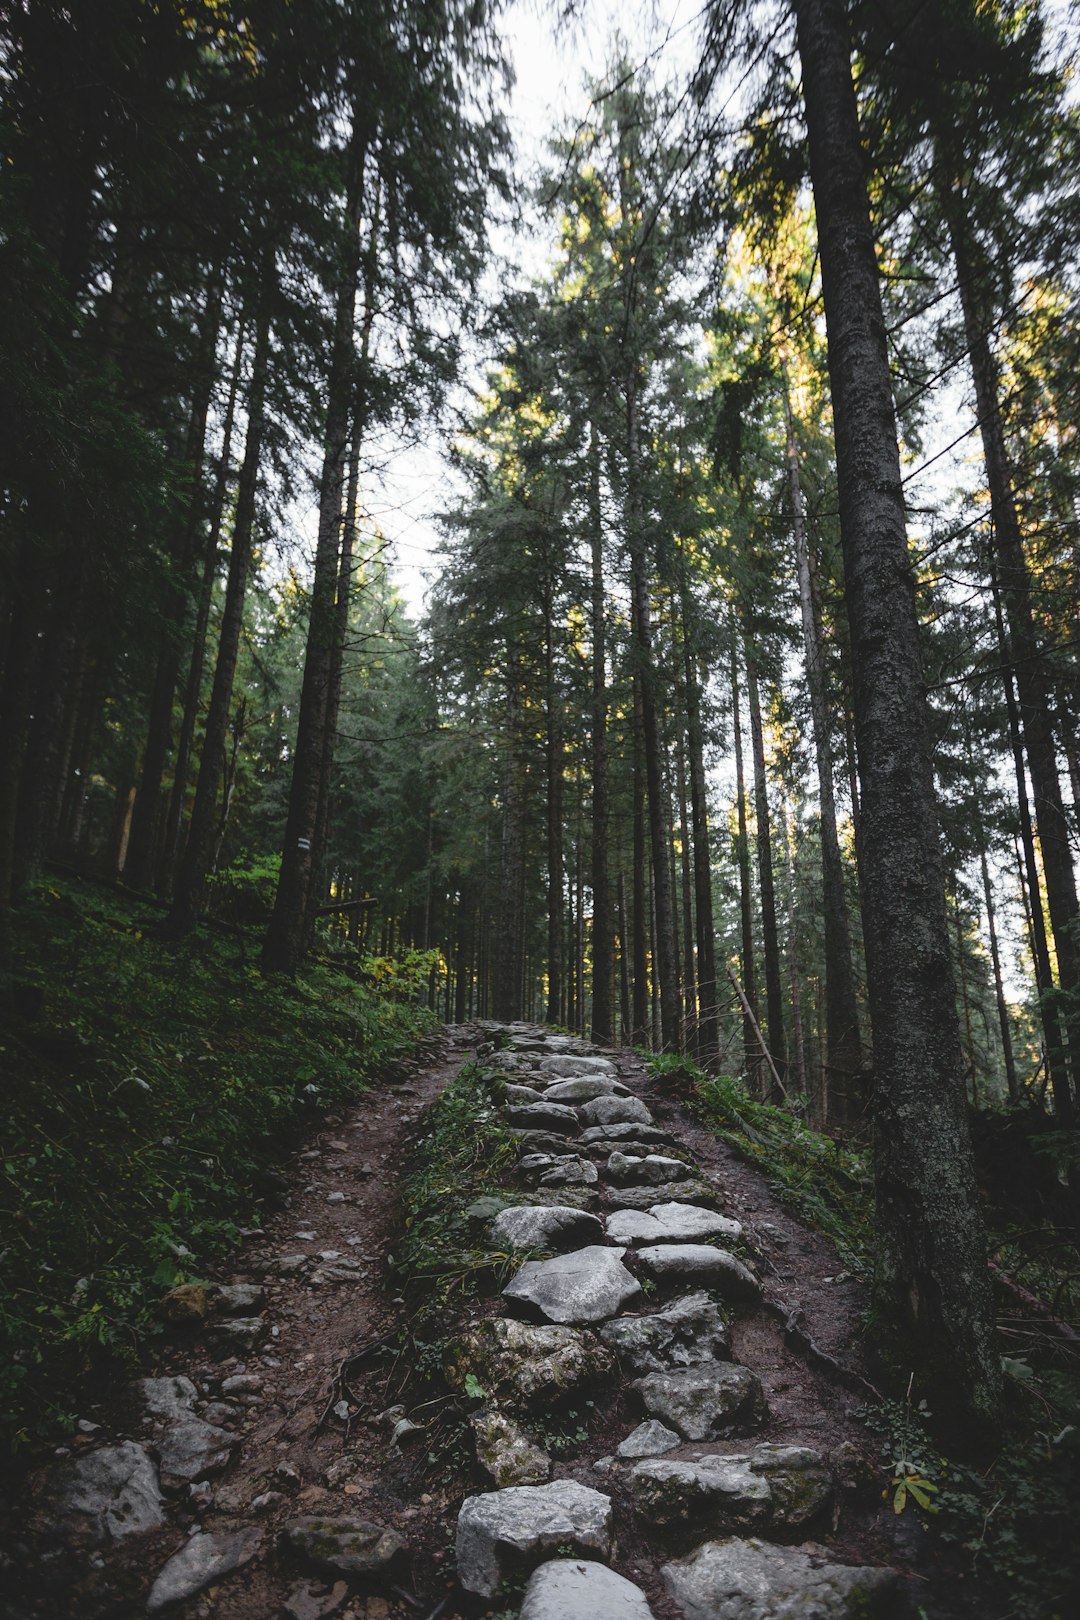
{"x": 825, "y": 1183}
{"x": 450, "y": 1194}
{"x": 1009, "y": 1526}
{"x": 149, "y": 1088}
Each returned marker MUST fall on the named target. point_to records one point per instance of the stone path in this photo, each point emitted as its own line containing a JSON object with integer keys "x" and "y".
{"x": 656, "y": 1293}
{"x": 635, "y": 1290}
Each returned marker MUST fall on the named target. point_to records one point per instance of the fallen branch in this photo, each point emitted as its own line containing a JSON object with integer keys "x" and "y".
{"x": 1034, "y": 1304}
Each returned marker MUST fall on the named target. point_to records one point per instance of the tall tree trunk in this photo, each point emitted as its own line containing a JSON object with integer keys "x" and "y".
{"x": 553, "y": 749}
{"x": 508, "y": 976}
{"x": 640, "y": 1015}
{"x": 1029, "y": 667}
{"x": 197, "y": 661}
{"x": 286, "y": 935}
{"x": 602, "y": 974}
{"x": 770, "y": 941}
{"x": 708, "y": 1018}
{"x": 141, "y": 864}
{"x": 742, "y": 862}
{"x": 999, "y": 989}
{"x": 659, "y": 806}
{"x": 625, "y": 1015}
{"x": 1040, "y": 946}
{"x": 798, "y": 1043}
{"x": 843, "y": 1045}
{"x": 191, "y": 881}
{"x": 933, "y": 1295}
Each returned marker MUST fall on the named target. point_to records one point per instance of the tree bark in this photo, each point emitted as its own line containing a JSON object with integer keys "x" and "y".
{"x": 602, "y": 973}
{"x": 999, "y": 989}
{"x": 191, "y": 882}
{"x": 742, "y": 862}
{"x": 286, "y": 935}
{"x": 197, "y": 661}
{"x": 933, "y": 1296}
{"x": 774, "y": 995}
{"x": 1028, "y": 657}
{"x": 843, "y": 1061}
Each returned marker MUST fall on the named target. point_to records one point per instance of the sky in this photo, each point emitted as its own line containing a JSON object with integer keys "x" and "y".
{"x": 551, "y": 67}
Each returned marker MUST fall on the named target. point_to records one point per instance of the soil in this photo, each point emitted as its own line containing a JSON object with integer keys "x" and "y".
{"x": 806, "y": 1346}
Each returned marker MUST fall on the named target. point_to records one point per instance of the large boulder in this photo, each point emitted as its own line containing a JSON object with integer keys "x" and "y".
{"x": 688, "y": 1333}
{"x": 203, "y": 1560}
{"x": 505, "y": 1452}
{"x": 589, "y": 1285}
{"x": 669, "y": 1223}
{"x": 525, "y": 1366}
{"x": 775, "y": 1487}
{"x": 701, "y": 1263}
{"x": 706, "y": 1402}
{"x": 507, "y": 1533}
{"x": 110, "y": 1492}
{"x": 571, "y": 1065}
{"x": 545, "y": 1116}
{"x": 573, "y": 1589}
{"x": 619, "y": 1134}
{"x": 753, "y": 1580}
{"x": 540, "y": 1226}
{"x": 585, "y": 1088}
{"x": 679, "y": 1192}
{"x": 616, "y": 1111}
{"x": 638, "y": 1170}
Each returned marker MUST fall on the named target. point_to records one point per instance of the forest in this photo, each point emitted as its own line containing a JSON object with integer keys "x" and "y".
{"x": 740, "y": 723}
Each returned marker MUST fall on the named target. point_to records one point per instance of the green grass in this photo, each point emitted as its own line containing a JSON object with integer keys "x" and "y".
{"x": 145, "y": 1098}
{"x": 826, "y": 1184}
{"x": 457, "y": 1166}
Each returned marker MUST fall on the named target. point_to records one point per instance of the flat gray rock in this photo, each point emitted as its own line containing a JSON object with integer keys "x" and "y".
{"x": 681, "y": 1192}
{"x": 669, "y": 1223}
{"x": 704, "y": 1402}
{"x": 167, "y": 1397}
{"x": 754, "y": 1580}
{"x": 544, "y": 1116}
{"x": 205, "y": 1559}
{"x": 572, "y": 1589}
{"x": 700, "y": 1262}
{"x": 343, "y": 1546}
{"x": 649, "y": 1439}
{"x": 540, "y": 1226}
{"x": 688, "y": 1333}
{"x": 650, "y": 1169}
{"x": 191, "y": 1449}
{"x": 573, "y": 1064}
{"x": 589, "y": 1285}
{"x": 774, "y": 1488}
{"x": 505, "y": 1452}
{"x": 629, "y": 1130}
{"x": 529, "y": 1142}
{"x": 616, "y": 1111}
{"x": 522, "y": 1096}
{"x": 586, "y": 1088}
{"x": 527, "y": 1366}
{"x": 506, "y": 1533}
{"x": 110, "y": 1492}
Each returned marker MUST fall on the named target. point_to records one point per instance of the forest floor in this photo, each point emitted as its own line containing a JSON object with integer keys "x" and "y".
{"x": 327, "y": 1326}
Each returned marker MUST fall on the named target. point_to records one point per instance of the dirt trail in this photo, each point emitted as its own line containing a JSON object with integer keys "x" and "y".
{"x": 322, "y": 1260}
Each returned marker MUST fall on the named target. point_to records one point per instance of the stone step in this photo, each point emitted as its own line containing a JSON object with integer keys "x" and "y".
{"x": 502, "y": 1535}
{"x": 735, "y": 1579}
